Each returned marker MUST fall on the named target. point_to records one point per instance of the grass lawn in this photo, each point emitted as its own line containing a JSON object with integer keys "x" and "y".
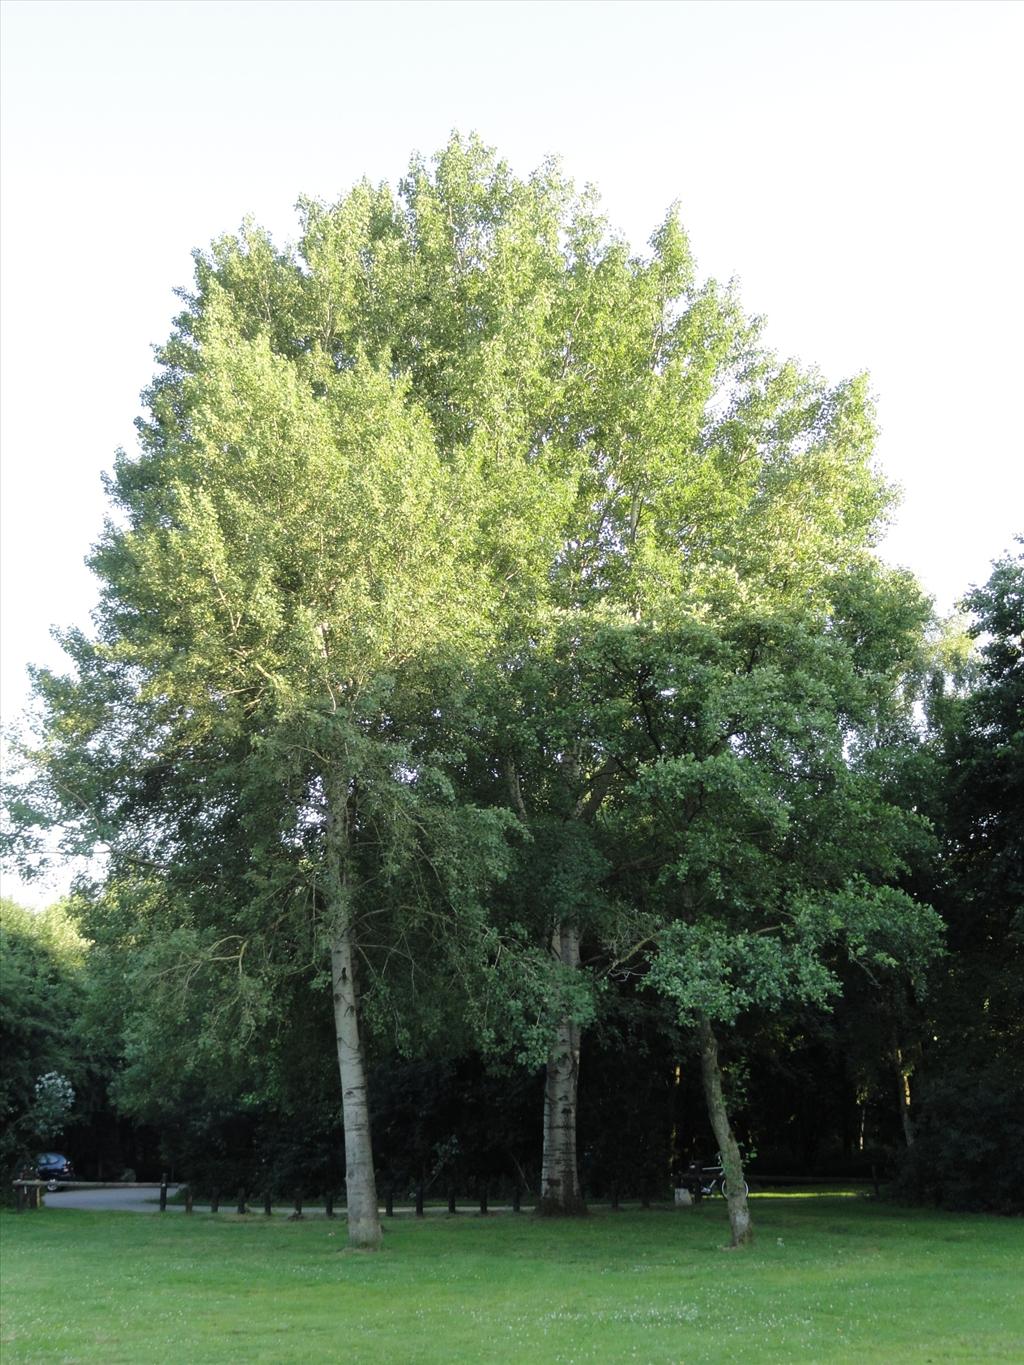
{"x": 829, "y": 1279}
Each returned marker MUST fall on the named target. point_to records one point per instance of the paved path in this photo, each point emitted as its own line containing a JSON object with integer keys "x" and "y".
{"x": 132, "y": 1200}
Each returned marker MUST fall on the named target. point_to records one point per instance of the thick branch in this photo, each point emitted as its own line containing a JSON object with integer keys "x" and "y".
{"x": 515, "y": 790}
{"x": 590, "y": 802}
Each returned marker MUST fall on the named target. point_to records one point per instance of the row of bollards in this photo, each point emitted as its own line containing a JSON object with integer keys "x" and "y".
{"x": 28, "y": 1195}
{"x": 389, "y": 1202}
{"x": 419, "y": 1195}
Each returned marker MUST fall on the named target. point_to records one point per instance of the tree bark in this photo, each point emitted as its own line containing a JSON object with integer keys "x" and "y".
{"x": 364, "y": 1229}
{"x": 561, "y": 1193}
{"x": 732, "y": 1164}
{"x": 903, "y": 1092}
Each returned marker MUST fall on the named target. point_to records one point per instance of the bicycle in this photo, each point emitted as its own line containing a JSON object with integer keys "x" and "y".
{"x": 712, "y": 1179}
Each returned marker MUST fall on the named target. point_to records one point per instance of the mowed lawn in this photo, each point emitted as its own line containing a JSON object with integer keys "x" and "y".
{"x": 829, "y": 1279}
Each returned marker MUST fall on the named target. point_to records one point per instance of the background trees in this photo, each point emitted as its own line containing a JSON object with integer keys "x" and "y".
{"x": 40, "y": 1009}
{"x": 970, "y": 1136}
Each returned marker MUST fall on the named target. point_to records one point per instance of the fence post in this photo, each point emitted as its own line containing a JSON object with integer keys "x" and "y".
{"x": 215, "y": 1201}
{"x": 452, "y": 1210}
{"x": 268, "y": 1207}
{"x": 163, "y": 1193}
{"x": 329, "y": 1206}
{"x": 419, "y": 1199}
{"x": 483, "y": 1198}
{"x": 241, "y": 1200}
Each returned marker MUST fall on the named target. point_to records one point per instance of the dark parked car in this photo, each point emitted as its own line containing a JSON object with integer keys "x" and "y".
{"x": 51, "y": 1166}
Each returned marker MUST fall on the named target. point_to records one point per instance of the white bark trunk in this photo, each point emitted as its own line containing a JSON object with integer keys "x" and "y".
{"x": 364, "y": 1228}
{"x": 560, "y": 1179}
{"x": 732, "y": 1163}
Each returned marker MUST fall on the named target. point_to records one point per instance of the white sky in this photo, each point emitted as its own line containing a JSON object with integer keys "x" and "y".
{"x": 857, "y": 166}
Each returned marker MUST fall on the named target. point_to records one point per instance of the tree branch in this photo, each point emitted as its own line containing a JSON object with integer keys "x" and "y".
{"x": 515, "y": 790}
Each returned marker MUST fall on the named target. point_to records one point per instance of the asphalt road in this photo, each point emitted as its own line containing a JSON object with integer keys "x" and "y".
{"x": 136, "y": 1200}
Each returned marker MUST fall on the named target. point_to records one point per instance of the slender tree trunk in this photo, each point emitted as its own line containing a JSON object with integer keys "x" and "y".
{"x": 560, "y": 1178}
{"x": 732, "y": 1164}
{"x": 903, "y": 1092}
{"x": 363, "y": 1216}
{"x": 364, "y": 1228}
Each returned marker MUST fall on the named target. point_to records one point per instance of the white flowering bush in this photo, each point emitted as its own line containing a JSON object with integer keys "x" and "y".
{"x": 55, "y": 1098}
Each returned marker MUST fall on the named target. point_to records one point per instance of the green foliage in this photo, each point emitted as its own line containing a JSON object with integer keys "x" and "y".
{"x": 983, "y": 754}
{"x": 519, "y": 560}
{"x": 971, "y": 1085}
{"x": 705, "y": 971}
{"x": 759, "y": 829}
{"x": 40, "y": 1008}
{"x": 968, "y": 1150}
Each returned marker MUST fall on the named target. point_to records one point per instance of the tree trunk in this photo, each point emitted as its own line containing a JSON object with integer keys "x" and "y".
{"x": 363, "y": 1216}
{"x": 732, "y": 1164}
{"x": 560, "y": 1178}
{"x": 364, "y": 1228}
{"x": 903, "y": 1092}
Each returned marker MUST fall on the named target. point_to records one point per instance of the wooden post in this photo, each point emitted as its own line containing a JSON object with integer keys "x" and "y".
{"x": 329, "y": 1206}
{"x": 268, "y": 1206}
{"x": 163, "y": 1193}
{"x": 419, "y": 1199}
{"x": 298, "y": 1206}
{"x": 188, "y": 1198}
{"x": 452, "y": 1210}
{"x": 215, "y": 1201}
{"x": 483, "y": 1199}
{"x": 241, "y": 1200}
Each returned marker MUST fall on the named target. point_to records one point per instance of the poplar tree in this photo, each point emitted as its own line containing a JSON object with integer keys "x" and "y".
{"x": 455, "y": 429}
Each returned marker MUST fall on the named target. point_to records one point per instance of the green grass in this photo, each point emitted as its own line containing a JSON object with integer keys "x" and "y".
{"x": 829, "y": 1279}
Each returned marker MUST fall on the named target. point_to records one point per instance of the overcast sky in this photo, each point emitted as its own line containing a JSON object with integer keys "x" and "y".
{"x": 856, "y": 166}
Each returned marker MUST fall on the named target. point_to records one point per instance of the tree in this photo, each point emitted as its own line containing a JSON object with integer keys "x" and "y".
{"x": 319, "y": 532}
{"x": 969, "y": 1141}
{"x": 632, "y": 446}
{"x": 454, "y": 430}
{"x": 287, "y": 545}
{"x": 40, "y": 1012}
{"x": 762, "y": 841}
